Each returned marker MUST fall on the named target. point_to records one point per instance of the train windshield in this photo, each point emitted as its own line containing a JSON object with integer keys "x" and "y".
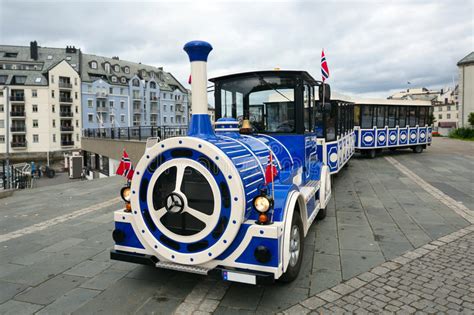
{"x": 267, "y": 100}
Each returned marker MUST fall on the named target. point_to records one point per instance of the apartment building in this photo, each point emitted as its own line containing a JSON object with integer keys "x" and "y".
{"x": 466, "y": 88}
{"x": 119, "y": 93}
{"x": 40, "y": 100}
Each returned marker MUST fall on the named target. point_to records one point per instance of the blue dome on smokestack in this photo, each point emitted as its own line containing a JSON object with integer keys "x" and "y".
{"x": 198, "y": 50}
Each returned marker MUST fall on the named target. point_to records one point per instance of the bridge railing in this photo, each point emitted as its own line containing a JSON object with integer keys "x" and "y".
{"x": 140, "y": 133}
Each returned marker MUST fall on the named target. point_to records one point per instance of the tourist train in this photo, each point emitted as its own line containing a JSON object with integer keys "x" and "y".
{"x": 392, "y": 124}
{"x": 236, "y": 200}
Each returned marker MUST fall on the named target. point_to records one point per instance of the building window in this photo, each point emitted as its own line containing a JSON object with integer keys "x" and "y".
{"x": 107, "y": 67}
{"x": 35, "y": 123}
{"x": 2, "y": 139}
{"x": 77, "y": 123}
{"x": 123, "y": 80}
{"x": 77, "y": 110}
{"x": 34, "y": 93}
{"x": 171, "y": 108}
{"x": 121, "y": 91}
{"x": 89, "y": 103}
{"x": 2, "y": 123}
{"x": 52, "y": 78}
{"x": 75, "y": 95}
{"x": 448, "y": 116}
{"x": 52, "y": 93}
{"x": 112, "y": 118}
{"x": 117, "y": 68}
{"x": 164, "y": 95}
{"x": 164, "y": 119}
{"x": 35, "y": 138}
{"x": 75, "y": 81}
{"x": 94, "y": 65}
{"x": 136, "y": 82}
{"x": 171, "y": 119}
{"x": 164, "y": 108}
{"x": 91, "y": 118}
{"x": 111, "y": 104}
{"x": 53, "y": 108}
{"x": 111, "y": 90}
{"x": 35, "y": 108}
{"x": 448, "y": 108}
{"x": 127, "y": 70}
{"x": 114, "y": 79}
{"x": 440, "y": 116}
{"x": 54, "y": 123}
{"x": 122, "y": 104}
{"x": 2, "y": 108}
{"x": 122, "y": 118}
{"x": 54, "y": 138}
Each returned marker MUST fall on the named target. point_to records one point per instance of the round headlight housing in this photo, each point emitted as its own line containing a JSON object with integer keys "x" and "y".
{"x": 126, "y": 193}
{"x": 262, "y": 203}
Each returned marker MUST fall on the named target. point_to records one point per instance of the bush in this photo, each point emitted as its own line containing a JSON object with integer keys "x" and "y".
{"x": 435, "y": 134}
{"x": 462, "y": 133}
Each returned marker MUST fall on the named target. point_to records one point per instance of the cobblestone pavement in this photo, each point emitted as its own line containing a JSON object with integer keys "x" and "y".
{"x": 437, "y": 277}
{"x": 55, "y": 242}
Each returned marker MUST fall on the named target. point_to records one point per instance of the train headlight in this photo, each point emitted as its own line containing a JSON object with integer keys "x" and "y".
{"x": 262, "y": 203}
{"x": 126, "y": 193}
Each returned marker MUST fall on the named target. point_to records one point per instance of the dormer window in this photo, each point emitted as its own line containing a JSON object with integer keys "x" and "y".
{"x": 107, "y": 67}
{"x": 123, "y": 79}
{"x": 127, "y": 70}
{"x": 117, "y": 68}
{"x": 94, "y": 64}
{"x": 114, "y": 79}
{"x": 135, "y": 82}
{"x": 152, "y": 85}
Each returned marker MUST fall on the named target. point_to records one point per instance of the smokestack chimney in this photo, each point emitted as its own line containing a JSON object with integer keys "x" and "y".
{"x": 200, "y": 124}
{"x": 34, "y": 50}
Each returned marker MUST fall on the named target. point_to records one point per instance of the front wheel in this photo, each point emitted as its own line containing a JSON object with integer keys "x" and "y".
{"x": 296, "y": 250}
{"x": 418, "y": 149}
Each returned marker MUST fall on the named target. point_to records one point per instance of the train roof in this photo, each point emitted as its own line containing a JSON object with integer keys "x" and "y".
{"x": 383, "y": 101}
{"x": 283, "y": 73}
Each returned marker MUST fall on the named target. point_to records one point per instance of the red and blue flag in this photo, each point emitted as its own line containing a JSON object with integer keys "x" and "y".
{"x": 324, "y": 67}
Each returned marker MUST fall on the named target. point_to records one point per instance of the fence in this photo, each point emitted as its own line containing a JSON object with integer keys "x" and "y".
{"x": 135, "y": 133}
{"x": 12, "y": 178}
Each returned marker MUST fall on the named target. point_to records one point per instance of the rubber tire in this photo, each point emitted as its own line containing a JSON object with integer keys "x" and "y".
{"x": 371, "y": 154}
{"x": 292, "y": 272}
{"x": 321, "y": 214}
{"x": 417, "y": 149}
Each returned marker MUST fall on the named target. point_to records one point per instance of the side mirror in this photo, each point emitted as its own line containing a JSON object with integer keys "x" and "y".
{"x": 324, "y": 92}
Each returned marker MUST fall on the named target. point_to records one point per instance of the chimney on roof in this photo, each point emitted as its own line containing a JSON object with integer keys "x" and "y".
{"x": 71, "y": 49}
{"x": 115, "y": 58}
{"x": 160, "y": 68}
{"x": 34, "y": 50}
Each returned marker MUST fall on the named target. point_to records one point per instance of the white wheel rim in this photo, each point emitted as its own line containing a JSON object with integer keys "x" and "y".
{"x": 295, "y": 244}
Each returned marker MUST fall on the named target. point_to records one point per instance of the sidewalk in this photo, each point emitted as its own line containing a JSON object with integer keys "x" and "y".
{"x": 437, "y": 277}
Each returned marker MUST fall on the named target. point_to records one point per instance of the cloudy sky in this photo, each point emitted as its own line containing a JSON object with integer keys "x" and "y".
{"x": 373, "y": 47}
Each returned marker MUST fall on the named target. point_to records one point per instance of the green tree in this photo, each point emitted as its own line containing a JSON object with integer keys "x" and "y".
{"x": 470, "y": 119}
{"x": 431, "y": 119}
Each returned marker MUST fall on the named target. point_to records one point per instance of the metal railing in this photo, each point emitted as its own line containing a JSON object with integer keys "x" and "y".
{"x": 67, "y": 128}
{"x": 17, "y": 98}
{"x": 140, "y": 133}
{"x": 12, "y": 178}
{"x": 65, "y": 99}
{"x": 18, "y": 128}
{"x": 18, "y": 144}
{"x": 66, "y": 114}
{"x": 67, "y": 143}
{"x": 17, "y": 113}
{"x": 65, "y": 85}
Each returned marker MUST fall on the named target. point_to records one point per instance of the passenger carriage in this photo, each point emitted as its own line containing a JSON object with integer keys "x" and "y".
{"x": 392, "y": 124}
{"x": 236, "y": 202}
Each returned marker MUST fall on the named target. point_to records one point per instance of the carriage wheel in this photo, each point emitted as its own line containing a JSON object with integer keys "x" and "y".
{"x": 418, "y": 149}
{"x": 371, "y": 154}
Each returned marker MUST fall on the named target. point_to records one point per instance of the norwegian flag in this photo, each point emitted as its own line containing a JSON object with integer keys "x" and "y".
{"x": 324, "y": 67}
{"x": 125, "y": 168}
{"x": 271, "y": 171}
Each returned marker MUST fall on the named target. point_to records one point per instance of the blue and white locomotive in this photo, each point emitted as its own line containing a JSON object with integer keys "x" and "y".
{"x": 203, "y": 204}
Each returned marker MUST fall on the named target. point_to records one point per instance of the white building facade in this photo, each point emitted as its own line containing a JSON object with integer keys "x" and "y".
{"x": 466, "y": 89}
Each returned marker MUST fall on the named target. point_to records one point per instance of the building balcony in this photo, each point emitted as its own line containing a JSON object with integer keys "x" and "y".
{"x": 18, "y": 144}
{"x": 137, "y": 110}
{"x": 17, "y": 114}
{"x": 102, "y": 109}
{"x": 66, "y": 114}
{"x": 153, "y": 98}
{"x": 21, "y": 129}
{"x": 137, "y": 97}
{"x": 65, "y": 99}
{"x": 65, "y": 85}
{"x": 67, "y": 143}
{"x": 67, "y": 128}
{"x": 17, "y": 98}
{"x": 101, "y": 95}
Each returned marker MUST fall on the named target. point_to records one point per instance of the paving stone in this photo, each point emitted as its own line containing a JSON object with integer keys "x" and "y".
{"x": 69, "y": 242}
{"x": 88, "y": 268}
{"x": 13, "y": 307}
{"x": 343, "y": 289}
{"x": 323, "y": 280}
{"x": 356, "y": 262}
{"x": 50, "y": 290}
{"x": 104, "y": 279}
{"x": 276, "y": 298}
{"x": 355, "y": 283}
{"x": 296, "y": 309}
{"x": 313, "y": 303}
{"x": 329, "y": 295}
{"x": 9, "y": 290}
{"x": 243, "y": 296}
{"x": 208, "y": 305}
{"x": 70, "y": 301}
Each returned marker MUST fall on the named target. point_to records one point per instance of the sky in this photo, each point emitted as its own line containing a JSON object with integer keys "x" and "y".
{"x": 373, "y": 47}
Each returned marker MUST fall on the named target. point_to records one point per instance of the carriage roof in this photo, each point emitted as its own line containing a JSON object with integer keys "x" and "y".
{"x": 281, "y": 73}
{"x": 381, "y": 101}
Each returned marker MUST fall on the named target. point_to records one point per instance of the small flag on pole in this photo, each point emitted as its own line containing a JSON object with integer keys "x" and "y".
{"x": 324, "y": 67}
{"x": 125, "y": 168}
{"x": 271, "y": 171}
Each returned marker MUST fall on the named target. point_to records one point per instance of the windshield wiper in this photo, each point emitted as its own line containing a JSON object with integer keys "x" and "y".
{"x": 274, "y": 89}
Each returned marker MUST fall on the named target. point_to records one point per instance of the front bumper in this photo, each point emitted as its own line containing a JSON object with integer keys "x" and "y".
{"x": 235, "y": 275}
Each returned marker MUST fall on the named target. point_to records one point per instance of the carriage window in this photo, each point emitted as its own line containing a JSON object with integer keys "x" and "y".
{"x": 366, "y": 117}
{"x": 379, "y": 116}
{"x": 391, "y": 116}
{"x": 331, "y": 123}
{"x": 422, "y": 120}
{"x": 357, "y": 115}
{"x": 307, "y": 109}
{"x": 402, "y": 115}
{"x": 411, "y": 116}
{"x": 318, "y": 120}
{"x": 417, "y": 115}
{"x": 232, "y": 104}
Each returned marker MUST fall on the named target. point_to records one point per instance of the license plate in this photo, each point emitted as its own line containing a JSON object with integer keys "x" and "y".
{"x": 239, "y": 277}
